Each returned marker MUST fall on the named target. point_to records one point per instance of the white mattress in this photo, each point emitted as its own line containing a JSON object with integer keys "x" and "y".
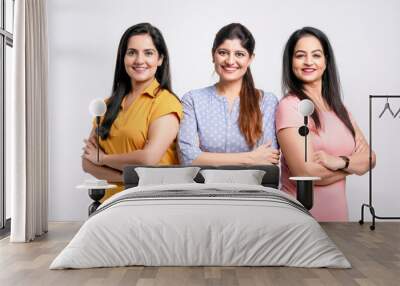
{"x": 185, "y": 230}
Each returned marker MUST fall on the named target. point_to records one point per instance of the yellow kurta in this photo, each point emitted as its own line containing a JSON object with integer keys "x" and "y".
{"x": 130, "y": 129}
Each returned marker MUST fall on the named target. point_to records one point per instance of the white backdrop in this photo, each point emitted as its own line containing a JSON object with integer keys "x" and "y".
{"x": 83, "y": 40}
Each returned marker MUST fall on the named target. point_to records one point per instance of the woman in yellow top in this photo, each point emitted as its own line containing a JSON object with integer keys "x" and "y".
{"x": 143, "y": 115}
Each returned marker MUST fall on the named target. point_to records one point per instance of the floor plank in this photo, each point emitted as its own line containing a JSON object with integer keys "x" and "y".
{"x": 374, "y": 255}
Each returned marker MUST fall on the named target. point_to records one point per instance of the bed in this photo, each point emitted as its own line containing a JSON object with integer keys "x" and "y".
{"x": 201, "y": 224}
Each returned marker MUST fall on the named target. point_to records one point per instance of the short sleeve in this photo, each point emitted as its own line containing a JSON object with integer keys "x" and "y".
{"x": 287, "y": 114}
{"x": 164, "y": 104}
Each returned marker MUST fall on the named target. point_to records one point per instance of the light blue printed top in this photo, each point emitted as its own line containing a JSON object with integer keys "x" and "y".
{"x": 207, "y": 125}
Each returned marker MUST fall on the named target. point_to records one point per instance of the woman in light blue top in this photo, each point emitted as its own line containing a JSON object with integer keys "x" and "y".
{"x": 230, "y": 122}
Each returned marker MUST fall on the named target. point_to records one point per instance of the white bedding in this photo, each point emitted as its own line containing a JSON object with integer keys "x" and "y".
{"x": 189, "y": 230}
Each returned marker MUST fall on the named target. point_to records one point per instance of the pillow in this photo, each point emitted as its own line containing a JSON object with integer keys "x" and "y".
{"x": 163, "y": 176}
{"x": 249, "y": 177}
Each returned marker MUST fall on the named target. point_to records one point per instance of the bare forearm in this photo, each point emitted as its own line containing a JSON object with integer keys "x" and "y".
{"x": 138, "y": 157}
{"x": 359, "y": 163}
{"x": 208, "y": 158}
{"x": 327, "y": 176}
{"x": 102, "y": 172}
{"x": 332, "y": 178}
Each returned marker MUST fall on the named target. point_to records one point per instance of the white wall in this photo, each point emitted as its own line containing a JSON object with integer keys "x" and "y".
{"x": 83, "y": 39}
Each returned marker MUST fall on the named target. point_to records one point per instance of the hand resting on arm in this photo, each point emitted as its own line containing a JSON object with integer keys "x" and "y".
{"x": 262, "y": 155}
{"x": 359, "y": 159}
{"x": 320, "y": 163}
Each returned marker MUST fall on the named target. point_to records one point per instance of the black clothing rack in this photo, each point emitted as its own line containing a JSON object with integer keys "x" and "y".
{"x": 369, "y": 205}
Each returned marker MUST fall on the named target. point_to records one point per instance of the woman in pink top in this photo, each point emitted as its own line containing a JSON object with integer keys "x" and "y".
{"x": 337, "y": 147}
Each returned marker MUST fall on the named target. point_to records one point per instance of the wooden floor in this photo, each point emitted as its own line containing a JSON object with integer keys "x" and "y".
{"x": 374, "y": 255}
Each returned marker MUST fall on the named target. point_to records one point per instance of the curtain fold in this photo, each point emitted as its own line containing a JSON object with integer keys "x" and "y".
{"x": 28, "y": 115}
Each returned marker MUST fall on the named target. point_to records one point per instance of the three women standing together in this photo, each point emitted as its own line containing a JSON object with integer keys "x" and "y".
{"x": 231, "y": 122}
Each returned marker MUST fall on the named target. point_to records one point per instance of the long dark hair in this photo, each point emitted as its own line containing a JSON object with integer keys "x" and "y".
{"x": 122, "y": 82}
{"x": 250, "y": 117}
{"x": 331, "y": 92}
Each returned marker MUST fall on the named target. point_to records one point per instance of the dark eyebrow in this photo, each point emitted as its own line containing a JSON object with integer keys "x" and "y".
{"x": 146, "y": 50}
{"x": 237, "y": 51}
{"x": 301, "y": 51}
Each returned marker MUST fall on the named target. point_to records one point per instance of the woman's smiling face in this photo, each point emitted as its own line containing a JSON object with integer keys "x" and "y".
{"x": 308, "y": 63}
{"x": 231, "y": 60}
{"x": 141, "y": 58}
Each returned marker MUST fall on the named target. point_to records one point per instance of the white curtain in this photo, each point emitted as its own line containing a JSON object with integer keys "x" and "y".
{"x": 28, "y": 159}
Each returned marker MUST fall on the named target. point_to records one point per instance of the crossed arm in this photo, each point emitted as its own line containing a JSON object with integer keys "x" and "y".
{"x": 189, "y": 142}
{"x": 162, "y": 132}
{"x": 320, "y": 163}
{"x": 263, "y": 154}
{"x": 101, "y": 172}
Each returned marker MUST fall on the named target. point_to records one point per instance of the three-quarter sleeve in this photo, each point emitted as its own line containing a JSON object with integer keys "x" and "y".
{"x": 269, "y": 106}
{"x": 188, "y": 139}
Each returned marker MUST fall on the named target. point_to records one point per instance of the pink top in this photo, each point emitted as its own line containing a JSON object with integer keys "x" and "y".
{"x": 334, "y": 138}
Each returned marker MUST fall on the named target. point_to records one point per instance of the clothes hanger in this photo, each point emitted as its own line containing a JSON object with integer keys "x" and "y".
{"x": 397, "y": 113}
{"x": 387, "y": 107}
